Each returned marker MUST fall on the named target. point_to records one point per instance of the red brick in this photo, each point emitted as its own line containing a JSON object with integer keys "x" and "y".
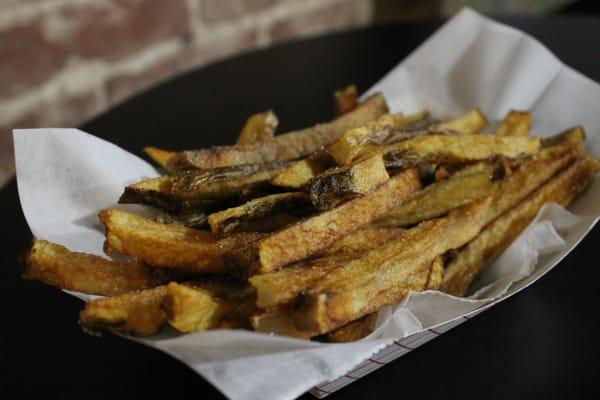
{"x": 334, "y": 17}
{"x": 127, "y": 84}
{"x": 126, "y": 27}
{"x": 27, "y": 59}
{"x": 223, "y": 10}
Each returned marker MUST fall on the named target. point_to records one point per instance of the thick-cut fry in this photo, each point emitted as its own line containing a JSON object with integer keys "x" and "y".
{"x": 345, "y": 100}
{"x": 314, "y": 234}
{"x": 281, "y": 287}
{"x": 436, "y": 274}
{"x": 159, "y": 156}
{"x": 457, "y": 149}
{"x": 228, "y": 220}
{"x": 169, "y": 246}
{"x": 343, "y": 183}
{"x": 191, "y": 308}
{"x": 258, "y": 128}
{"x": 471, "y": 183}
{"x": 284, "y": 147}
{"x": 135, "y": 313}
{"x": 471, "y": 122}
{"x": 515, "y": 123}
{"x": 57, "y": 266}
{"x": 499, "y": 234}
{"x": 574, "y": 136}
{"x": 357, "y": 140}
{"x": 299, "y": 173}
{"x": 279, "y": 321}
{"x": 354, "y": 330}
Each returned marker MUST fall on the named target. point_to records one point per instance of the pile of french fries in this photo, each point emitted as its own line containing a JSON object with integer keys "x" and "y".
{"x": 310, "y": 233}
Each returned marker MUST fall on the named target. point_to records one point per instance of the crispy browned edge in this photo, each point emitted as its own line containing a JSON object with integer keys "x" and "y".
{"x": 345, "y": 100}
{"x": 354, "y": 330}
{"x": 258, "y": 127}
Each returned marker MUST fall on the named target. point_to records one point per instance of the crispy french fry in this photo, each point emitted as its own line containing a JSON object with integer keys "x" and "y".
{"x": 472, "y": 183}
{"x": 436, "y": 274}
{"x": 299, "y": 173}
{"x": 228, "y": 220}
{"x": 345, "y": 100}
{"x": 358, "y": 140}
{"x": 168, "y": 246}
{"x": 188, "y": 219}
{"x": 457, "y": 149}
{"x": 316, "y": 233}
{"x": 574, "y": 136}
{"x": 279, "y": 321}
{"x": 281, "y": 287}
{"x": 258, "y": 128}
{"x": 57, "y": 266}
{"x": 289, "y": 146}
{"x": 159, "y": 156}
{"x": 515, "y": 123}
{"x": 496, "y": 237}
{"x": 471, "y": 122}
{"x": 343, "y": 183}
{"x": 134, "y": 313}
{"x": 354, "y": 330}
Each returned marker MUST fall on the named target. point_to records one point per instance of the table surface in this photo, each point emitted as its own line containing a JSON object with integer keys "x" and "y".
{"x": 541, "y": 342}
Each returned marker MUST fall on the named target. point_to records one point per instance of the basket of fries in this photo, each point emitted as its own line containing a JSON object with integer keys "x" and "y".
{"x": 310, "y": 258}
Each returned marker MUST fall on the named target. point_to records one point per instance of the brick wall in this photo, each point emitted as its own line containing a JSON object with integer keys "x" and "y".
{"x": 63, "y": 61}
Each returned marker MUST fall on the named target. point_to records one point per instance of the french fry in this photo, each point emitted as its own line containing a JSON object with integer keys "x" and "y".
{"x": 471, "y": 122}
{"x": 57, "y": 266}
{"x": 316, "y": 233}
{"x": 345, "y": 100}
{"x": 299, "y": 173}
{"x": 167, "y": 246}
{"x": 258, "y": 128}
{"x": 159, "y": 156}
{"x": 343, "y": 183}
{"x": 574, "y": 136}
{"x": 515, "y": 123}
{"x": 436, "y": 274}
{"x": 289, "y": 146}
{"x": 282, "y": 287}
{"x": 226, "y": 221}
{"x": 494, "y": 239}
{"x": 354, "y": 330}
{"x": 134, "y": 313}
{"x": 472, "y": 183}
{"x": 279, "y": 321}
{"x": 457, "y": 149}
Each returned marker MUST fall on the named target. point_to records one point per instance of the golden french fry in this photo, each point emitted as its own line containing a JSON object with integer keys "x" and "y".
{"x": 159, "y": 156}
{"x": 515, "y": 123}
{"x": 354, "y": 330}
{"x": 316, "y": 233}
{"x": 57, "y": 266}
{"x": 299, "y": 173}
{"x": 503, "y": 231}
{"x": 258, "y": 128}
{"x": 168, "y": 246}
{"x": 345, "y": 100}
{"x": 343, "y": 183}
{"x": 574, "y": 136}
{"x": 286, "y": 147}
{"x": 471, "y": 122}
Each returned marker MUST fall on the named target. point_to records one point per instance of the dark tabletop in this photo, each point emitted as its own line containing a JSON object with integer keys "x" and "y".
{"x": 540, "y": 342}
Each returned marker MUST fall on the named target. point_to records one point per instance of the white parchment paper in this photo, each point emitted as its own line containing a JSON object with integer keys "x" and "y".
{"x": 65, "y": 176}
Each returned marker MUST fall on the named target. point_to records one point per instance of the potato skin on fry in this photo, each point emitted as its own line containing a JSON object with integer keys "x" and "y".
{"x": 168, "y": 246}
{"x": 316, "y": 233}
{"x": 354, "y": 330}
{"x": 289, "y": 146}
{"x": 57, "y": 266}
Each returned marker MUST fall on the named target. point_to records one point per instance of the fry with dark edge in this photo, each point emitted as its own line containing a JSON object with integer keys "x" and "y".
{"x": 496, "y": 237}
{"x": 168, "y": 246}
{"x": 55, "y": 265}
{"x": 515, "y": 123}
{"x": 345, "y": 100}
{"x": 281, "y": 287}
{"x": 258, "y": 128}
{"x": 313, "y": 234}
{"x": 343, "y": 183}
{"x": 354, "y": 330}
{"x": 226, "y": 221}
{"x": 299, "y": 173}
{"x": 286, "y": 147}
{"x": 574, "y": 136}
{"x": 469, "y": 184}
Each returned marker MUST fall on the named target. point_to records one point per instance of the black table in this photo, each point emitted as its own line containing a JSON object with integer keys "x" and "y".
{"x": 518, "y": 349}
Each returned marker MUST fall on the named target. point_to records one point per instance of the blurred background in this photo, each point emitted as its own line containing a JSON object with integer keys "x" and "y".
{"x": 64, "y": 61}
